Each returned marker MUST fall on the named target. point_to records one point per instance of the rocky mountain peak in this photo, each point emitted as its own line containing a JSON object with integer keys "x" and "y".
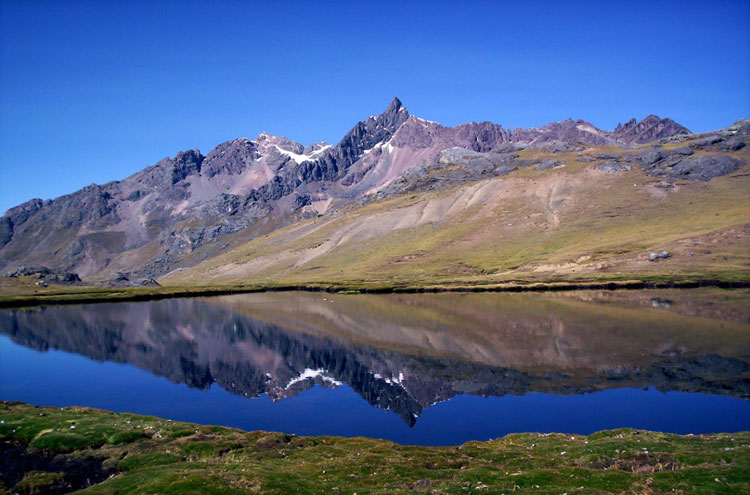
{"x": 367, "y": 133}
{"x": 231, "y": 157}
{"x": 629, "y": 124}
{"x": 393, "y": 116}
{"x": 651, "y": 128}
{"x": 265, "y": 139}
{"x": 193, "y": 156}
{"x": 394, "y": 106}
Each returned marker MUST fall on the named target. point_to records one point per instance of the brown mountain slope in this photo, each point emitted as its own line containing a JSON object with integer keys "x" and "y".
{"x": 588, "y": 217}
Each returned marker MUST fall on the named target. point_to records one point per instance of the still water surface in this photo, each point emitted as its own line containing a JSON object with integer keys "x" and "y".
{"x": 432, "y": 369}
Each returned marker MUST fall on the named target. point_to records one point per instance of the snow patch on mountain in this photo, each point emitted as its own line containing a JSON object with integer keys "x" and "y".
{"x": 425, "y": 121}
{"x": 309, "y": 374}
{"x": 294, "y": 156}
{"x": 393, "y": 380}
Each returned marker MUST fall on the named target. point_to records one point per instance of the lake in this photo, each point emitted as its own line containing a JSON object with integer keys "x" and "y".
{"x": 428, "y": 369}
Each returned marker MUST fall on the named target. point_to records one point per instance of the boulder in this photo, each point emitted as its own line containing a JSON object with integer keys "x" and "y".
{"x": 612, "y": 167}
{"x": 659, "y": 256}
{"x": 683, "y": 150}
{"x": 548, "y": 164}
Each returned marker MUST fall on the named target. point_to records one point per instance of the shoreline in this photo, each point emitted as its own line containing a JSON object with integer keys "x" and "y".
{"x": 132, "y": 294}
{"x": 129, "y": 453}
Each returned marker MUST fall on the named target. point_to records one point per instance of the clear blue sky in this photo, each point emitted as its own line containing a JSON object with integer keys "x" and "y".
{"x": 95, "y": 91}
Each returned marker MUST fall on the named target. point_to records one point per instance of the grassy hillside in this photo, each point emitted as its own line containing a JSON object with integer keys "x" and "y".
{"x": 570, "y": 223}
{"x": 51, "y": 448}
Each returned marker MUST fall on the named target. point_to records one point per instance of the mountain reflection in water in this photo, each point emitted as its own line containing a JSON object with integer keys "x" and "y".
{"x": 404, "y": 353}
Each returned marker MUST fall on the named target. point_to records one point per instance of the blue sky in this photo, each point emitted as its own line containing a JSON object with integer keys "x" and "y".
{"x": 95, "y": 91}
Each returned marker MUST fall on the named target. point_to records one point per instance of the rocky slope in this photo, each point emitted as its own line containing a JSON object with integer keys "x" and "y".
{"x": 191, "y": 208}
{"x": 676, "y": 208}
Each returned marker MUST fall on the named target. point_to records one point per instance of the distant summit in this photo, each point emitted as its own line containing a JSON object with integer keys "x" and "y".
{"x": 395, "y": 114}
{"x": 649, "y": 129}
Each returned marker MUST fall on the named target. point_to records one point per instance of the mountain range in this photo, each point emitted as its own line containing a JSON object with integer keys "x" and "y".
{"x": 396, "y": 186}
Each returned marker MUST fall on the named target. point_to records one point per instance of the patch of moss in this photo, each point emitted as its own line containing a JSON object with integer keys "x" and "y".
{"x": 125, "y": 437}
{"x": 62, "y": 441}
{"x": 140, "y": 461}
{"x": 39, "y": 482}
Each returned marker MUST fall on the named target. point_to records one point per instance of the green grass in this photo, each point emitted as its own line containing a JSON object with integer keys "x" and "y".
{"x": 73, "y": 295}
{"x": 172, "y": 457}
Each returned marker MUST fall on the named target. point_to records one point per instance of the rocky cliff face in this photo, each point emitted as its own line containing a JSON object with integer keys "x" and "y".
{"x": 189, "y": 208}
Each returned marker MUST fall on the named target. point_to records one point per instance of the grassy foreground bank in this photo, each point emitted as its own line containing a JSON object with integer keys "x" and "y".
{"x": 45, "y": 449}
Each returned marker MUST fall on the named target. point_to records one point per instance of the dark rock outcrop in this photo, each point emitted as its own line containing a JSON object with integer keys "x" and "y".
{"x": 301, "y": 200}
{"x": 45, "y": 273}
{"x": 732, "y": 145}
{"x": 612, "y": 166}
{"x": 683, "y": 150}
{"x": 548, "y": 164}
{"x": 705, "y": 168}
{"x": 678, "y": 164}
